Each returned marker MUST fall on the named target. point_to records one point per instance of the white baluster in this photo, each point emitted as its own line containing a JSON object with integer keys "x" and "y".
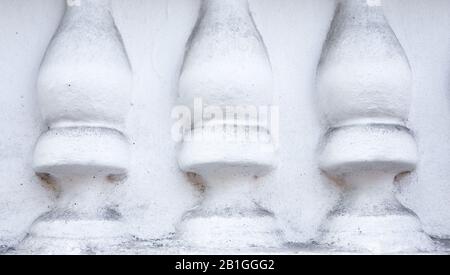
{"x": 226, "y": 64}
{"x": 364, "y": 81}
{"x": 84, "y": 91}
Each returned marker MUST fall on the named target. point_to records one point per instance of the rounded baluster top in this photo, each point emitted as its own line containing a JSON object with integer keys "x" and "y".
{"x": 85, "y": 78}
{"x": 363, "y": 75}
{"x": 226, "y": 61}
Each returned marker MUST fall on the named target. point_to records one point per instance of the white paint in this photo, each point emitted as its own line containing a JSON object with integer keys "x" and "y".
{"x": 228, "y": 217}
{"x": 365, "y": 161}
{"x": 365, "y": 65}
{"x": 226, "y": 65}
{"x": 84, "y": 82}
{"x": 84, "y": 88}
{"x": 69, "y": 151}
{"x": 85, "y": 219}
{"x": 155, "y": 33}
{"x": 366, "y": 147}
{"x": 226, "y": 61}
{"x": 364, "y": 82}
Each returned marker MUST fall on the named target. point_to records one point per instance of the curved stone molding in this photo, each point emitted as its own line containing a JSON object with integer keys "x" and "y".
{"x": 363, "y": 84}
{"x": 84, "y": 92}
{"x": 227, "y": 66}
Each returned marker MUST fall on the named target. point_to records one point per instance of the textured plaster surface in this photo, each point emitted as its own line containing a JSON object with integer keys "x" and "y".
{"x": 156, "y": 193}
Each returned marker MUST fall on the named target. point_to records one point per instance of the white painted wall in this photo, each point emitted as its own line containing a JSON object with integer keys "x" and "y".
{"x": 154, "y": 32}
